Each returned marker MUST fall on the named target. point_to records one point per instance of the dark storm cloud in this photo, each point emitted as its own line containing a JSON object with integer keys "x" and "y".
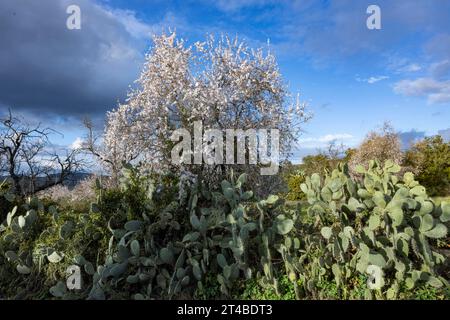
{"x": 47, "y": 68}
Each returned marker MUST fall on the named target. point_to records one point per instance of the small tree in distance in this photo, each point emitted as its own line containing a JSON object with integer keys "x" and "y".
{"x": 27, "y": 159}
{"x": 378, "y": 145}
{"x": 430, "y": 158}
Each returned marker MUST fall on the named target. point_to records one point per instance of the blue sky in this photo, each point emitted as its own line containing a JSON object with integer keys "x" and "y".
{"x": 353, "y": 78}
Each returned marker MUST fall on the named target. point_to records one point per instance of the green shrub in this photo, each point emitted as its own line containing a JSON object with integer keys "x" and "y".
{"x": 7, "y": 199}
{"x": 294, "y": 181}
{"x": 184, "y": 249}
{"x": 159, "y": 237}
{"x": 431, "y": 159}
{"x": 378, "y": 221}
{"x": 254, "y": 291}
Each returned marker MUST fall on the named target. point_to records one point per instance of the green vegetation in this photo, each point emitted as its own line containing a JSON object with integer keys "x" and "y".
{"x": 438, "y": 200}
{"x": 159, "y": 237}
{"x": 379, "y": 221}
{"x": 431, "y": 157}
{"x": 428, "y": 159}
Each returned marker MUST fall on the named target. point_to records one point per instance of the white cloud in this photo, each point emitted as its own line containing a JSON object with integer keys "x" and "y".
{"x": 417, "y": 87}
{"x": 319, "y": 142}
{"x": 412, "y": 67}
{"x": 399, "y": 64}
{"x": 236, "y": 5}
{"x": 331, "y": 137}
{"x": 435, "y": 85}
{"x": 441, "y": 97}
{"x": 373, "y": 79}
{"x": 376, "y": 79}
{"x": 134, "y": 27}
{"x": 441, "y": 70}
{"x": 76, "y": 144}
{"x": 435, "y": 91}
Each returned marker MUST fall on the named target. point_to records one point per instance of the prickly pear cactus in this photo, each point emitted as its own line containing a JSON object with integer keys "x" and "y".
{"x": 160, "y": 257}
{"x": 379, "y": 225}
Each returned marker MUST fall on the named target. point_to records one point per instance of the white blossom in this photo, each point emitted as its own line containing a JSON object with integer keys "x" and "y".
{"x": 220, "y": 82}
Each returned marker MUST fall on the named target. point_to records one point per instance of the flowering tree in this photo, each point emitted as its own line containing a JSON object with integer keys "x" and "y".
{"x": 222, "y": 83}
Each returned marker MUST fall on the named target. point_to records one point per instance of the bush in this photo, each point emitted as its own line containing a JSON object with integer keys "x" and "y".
{"x": 38, "y": 243}
{"x": 156, "y": 237}
{"x": 431, "y": 159}
{"x": 294, "y": 181}
{"x": 7, "y": 199}
{"x": 40, "y": 240}
{"x": 380, "y": 225}
{"x": 196, "y": 241}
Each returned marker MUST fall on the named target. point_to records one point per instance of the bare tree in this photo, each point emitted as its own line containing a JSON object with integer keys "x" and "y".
{"x": 378, "y": 145}
{"x": 27, "y": 160}
{"x": 335, "y": 151}
{"x": 108, "y": 158}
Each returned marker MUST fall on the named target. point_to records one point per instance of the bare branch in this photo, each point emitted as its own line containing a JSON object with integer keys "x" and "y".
{"x": 23, "y": 156}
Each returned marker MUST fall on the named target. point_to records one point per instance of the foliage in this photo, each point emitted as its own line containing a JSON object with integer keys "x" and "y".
{"x": 431, "y": 158}
{"x": 160, "y": 237}
{"x": 7, "y": 199}
{"x": 254, "y": 291}
{"x": 323, "y": 162}
{"x": 316, "y": 164}
{"x": 38, "y": 243}
{"x": 294, "y": 180}
{"x": 164, "y": 255}
{"x": 379, "y": 221}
